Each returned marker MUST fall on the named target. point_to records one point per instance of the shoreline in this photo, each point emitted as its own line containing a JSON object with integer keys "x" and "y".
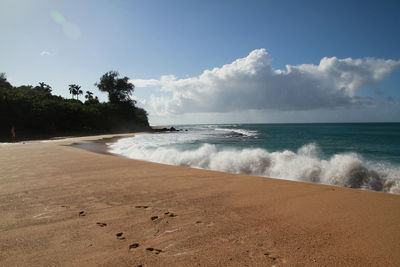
{"x": 203, "y": 217}
{"x": 99, "y": 146}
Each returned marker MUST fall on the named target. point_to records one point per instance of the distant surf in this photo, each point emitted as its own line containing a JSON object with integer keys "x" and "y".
{"x": 363, "y": 156}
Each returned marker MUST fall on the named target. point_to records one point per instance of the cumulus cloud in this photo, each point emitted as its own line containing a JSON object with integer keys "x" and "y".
{"x": 252, "y": 83}
{"x": 45, "y": 53}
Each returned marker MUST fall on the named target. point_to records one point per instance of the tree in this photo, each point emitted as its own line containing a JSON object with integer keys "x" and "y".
{"x": 89, "y": 95}
{"x": 119, "y": 89}
{"x": 90, "y": 99}
{"x": 40, "y": 115}
{"x": 75, "y": 89}
{"x": 44, "y": 87}
{"x": 3, "y": 81}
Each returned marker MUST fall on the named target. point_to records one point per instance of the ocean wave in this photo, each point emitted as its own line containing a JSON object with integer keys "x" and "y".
{"x": 306, "y": 164}
{"x": 241, "y": 132}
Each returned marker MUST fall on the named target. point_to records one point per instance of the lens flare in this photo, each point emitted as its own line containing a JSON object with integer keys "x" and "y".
{"x": 71, "y": 30}
{"x": 57, "y": 17}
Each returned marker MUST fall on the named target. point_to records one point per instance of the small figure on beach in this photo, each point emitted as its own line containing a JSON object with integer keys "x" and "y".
{"x": 13, "y": 134}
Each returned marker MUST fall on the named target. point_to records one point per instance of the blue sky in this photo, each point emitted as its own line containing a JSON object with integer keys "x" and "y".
{"x": 64, "y": 42}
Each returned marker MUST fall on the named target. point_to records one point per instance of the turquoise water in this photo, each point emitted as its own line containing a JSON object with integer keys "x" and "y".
{"x": 374, "y": 141}
{"x": 357, "y": 155}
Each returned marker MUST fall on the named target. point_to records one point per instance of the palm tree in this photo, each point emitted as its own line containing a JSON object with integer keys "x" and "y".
{"x": 89, "y": 95}
{"x": 44, "y": 87}
{"x": 79, "y": 92}
{"x": 72, "y": 90}
{"x": 75, "y": 89}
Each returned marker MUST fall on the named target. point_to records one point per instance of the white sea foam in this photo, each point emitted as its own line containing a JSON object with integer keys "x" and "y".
{"x": 242, "y": 132}
{"x": 306, "y": 164}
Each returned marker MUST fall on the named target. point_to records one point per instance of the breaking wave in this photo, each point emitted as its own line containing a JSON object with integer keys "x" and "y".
{"x": 305, "y": 164}
{"x": 241, "y": 132}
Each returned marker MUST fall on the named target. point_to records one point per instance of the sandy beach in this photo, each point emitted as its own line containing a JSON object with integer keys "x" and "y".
{"x": 65, "y": 206}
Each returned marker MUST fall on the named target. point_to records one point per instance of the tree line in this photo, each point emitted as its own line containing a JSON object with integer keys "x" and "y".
{"x": 36, "y": 113}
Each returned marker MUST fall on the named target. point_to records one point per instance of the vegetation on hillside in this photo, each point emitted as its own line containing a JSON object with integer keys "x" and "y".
{"x": 36, "y": 113}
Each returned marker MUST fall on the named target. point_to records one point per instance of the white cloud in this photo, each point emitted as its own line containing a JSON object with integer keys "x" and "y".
{"x": 252, "y": 83}
{"x": 164, "y": 80}
{"x": 45, "y": 53}
{"x": 140, "y": 101}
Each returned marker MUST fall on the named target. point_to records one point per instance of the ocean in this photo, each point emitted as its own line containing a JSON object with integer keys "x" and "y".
{"x": 357, "y": 155}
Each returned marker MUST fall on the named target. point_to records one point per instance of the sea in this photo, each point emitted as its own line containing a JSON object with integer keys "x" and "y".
{"x": 356, "y": 155}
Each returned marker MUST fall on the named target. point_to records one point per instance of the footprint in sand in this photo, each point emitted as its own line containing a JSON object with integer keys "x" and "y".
{"x": 271, "y": 257}
{"x": 119, "y": 236}
{"x": 142, "y": 207}
{"x": 170, "y": 214}
{"x": 166, "y": 214}
{"x": 133, "y": 246}
{"x": 155, "y": 250}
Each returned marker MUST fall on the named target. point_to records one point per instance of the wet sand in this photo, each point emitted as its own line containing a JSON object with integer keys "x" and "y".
{"x": 64, "y": 206}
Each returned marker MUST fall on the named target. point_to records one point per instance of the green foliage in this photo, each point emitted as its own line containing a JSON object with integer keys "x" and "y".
{"x": 3, "y": 81}
{"x": 44, "y": 88}
{"x": 38, "y": 114}
{"x": 119, "y": 89}
{"x": 89, "y": 95}
{"x": 75, "y": 89}
{"x": 90, "y": 100}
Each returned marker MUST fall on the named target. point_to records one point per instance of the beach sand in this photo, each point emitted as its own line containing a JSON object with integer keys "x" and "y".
{"x": 64, "y": 206}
